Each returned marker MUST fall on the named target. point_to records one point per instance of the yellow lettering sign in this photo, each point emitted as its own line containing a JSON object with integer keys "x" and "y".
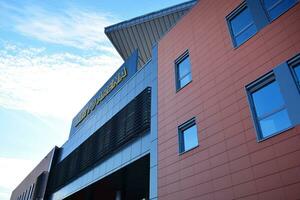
{"x": 114, "y": 83}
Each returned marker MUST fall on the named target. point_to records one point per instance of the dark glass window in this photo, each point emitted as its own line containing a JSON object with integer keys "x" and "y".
{"x": 183, "y": 71}
{"x": 188, "y": 136}
{"x": 32, "y": 190}
{"x": 297, "y": 73}
{"x": 241, "y": 24}
{"x": 275, "y": 8}
{"x": 269, "y": 107}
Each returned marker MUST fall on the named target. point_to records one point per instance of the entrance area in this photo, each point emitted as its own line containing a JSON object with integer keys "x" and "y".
{"x": 129, "y": 183}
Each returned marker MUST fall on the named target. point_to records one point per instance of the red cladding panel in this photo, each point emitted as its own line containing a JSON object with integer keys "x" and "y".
{"x": 229, "y": 163}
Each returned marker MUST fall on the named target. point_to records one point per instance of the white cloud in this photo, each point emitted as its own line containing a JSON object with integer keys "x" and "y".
{"x": 83, "y": 29}
{"x": 51, "y": 84}
{"x": 5, "y": 195}
{"x": 12, "y": 174}
{"x": 55, "y": 85}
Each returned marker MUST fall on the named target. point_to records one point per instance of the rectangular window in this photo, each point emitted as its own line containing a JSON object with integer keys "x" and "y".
{"x": 297, "y": 73}
{"x": 294, "y": 65}
{"x": 188, "y": 136}
{"x": 241, "y": 25}
{"x": 32, "y": 190}
{"x": 275, "y": 8}
{"x": 183, "y": 71}
{"x": 268, "y": 107}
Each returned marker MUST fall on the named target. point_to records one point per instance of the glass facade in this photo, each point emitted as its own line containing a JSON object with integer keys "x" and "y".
{"x": 275, "y": 8}
{"x": 270, "y": 110}
{"x": 188, "y": 136}
{"x": 183, "y": 68}
{"x": 242, "y": 26}
{"x": 297, "y": 73}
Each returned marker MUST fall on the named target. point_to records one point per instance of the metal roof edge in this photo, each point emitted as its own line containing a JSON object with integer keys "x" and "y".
{"x": 150, "y": 16}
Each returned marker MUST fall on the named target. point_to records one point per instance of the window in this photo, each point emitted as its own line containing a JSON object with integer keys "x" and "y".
{"x": 275, "y": 8}
{"x": 294, "y": 65}
{"x": 32, "y": 190}
{"x": 268, "y": 107}
{"x": 241, "y": 25}
{"x": 297, "y": 73}
{"x": 183, "y": 71}
{"x": 188, "y": 136}
{"x": 253, "y": 15}
{"x": 25, "y": 197}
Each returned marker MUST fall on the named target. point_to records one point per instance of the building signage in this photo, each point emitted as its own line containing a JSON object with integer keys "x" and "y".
{"x": 111, "y": 87}
{"x": 116, "y": 80}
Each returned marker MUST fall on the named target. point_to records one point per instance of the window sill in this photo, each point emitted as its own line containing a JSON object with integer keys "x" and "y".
{"x": 275, "y": 134}
{"x": 181, "y": 153}
{"x": 178, "y": 89}
{"x": 237, "y": 46}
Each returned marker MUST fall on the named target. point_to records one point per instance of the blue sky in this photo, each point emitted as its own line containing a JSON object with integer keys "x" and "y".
{"x": 54, "y": 56}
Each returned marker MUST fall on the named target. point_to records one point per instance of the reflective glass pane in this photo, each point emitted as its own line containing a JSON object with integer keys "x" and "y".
{"x": 190, "y": 138}
{"x": 270, "y": 3}
{"x": 185, "y": 80}
{"x": 297, "y": 71}
{"x": 276, "y": 7}
{"x": 248, "y": 33}
{"x": 184, "y": 67}
{"x": 267, "y": 99}
{"x": 275, "y": 123}
{"x": 242, "y": 26}
{"x": 240, "y": 21}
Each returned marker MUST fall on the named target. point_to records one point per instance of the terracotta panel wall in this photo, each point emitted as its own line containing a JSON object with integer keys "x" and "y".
{"x": 229, "y": 163}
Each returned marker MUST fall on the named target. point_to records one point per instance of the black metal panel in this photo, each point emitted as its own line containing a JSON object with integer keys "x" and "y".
{"x": 40, "y": 186}
{"x": 132, "y": 120}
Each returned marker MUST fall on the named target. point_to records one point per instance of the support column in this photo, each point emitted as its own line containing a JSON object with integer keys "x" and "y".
{"x": 153, "y": 146}
{"x": 118, "y": 195}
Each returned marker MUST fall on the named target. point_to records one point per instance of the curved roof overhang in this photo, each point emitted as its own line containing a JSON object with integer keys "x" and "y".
{"x": 142, "y": 32}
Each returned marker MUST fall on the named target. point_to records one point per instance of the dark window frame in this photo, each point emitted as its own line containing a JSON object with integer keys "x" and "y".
{"x": 267, "y": 12}
{"x": 179, "y": 60}
{"x": 234, "y": 14}
{"x": 258, "y": 84}
{"x": 33, "y": 187}
{"x": 183, "y": 127}
{"x": 260, "y": 16}
{"x": 293, "y": 63}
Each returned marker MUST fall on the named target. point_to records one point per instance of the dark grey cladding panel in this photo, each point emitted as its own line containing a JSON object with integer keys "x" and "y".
{"x": 150, "y": 37}
{"x": 143, "y": 32}
{"x": 121, "y": 47}
{"x": 37, "y": 178}
{"x": 112, "y": 37}
{"x": 140, "y": 42}
{"x": 125, "y": 41}
{"x": 154, "y": 30}
{"x": 146, "y": 38}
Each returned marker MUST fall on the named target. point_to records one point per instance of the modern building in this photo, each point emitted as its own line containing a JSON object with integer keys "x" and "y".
{"x": 205, "y": 106}
{"x": 34, "y": 185}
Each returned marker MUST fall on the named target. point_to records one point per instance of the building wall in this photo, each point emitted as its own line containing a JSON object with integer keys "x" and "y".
{"x": 135, "y": 149}
{"x": 111, "y": 104}
{"x": 28, "y": 185}
{"x": 229, "y": 162}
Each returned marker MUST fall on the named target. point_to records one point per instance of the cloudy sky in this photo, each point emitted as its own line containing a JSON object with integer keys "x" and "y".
{"x": 54, "y": 56}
